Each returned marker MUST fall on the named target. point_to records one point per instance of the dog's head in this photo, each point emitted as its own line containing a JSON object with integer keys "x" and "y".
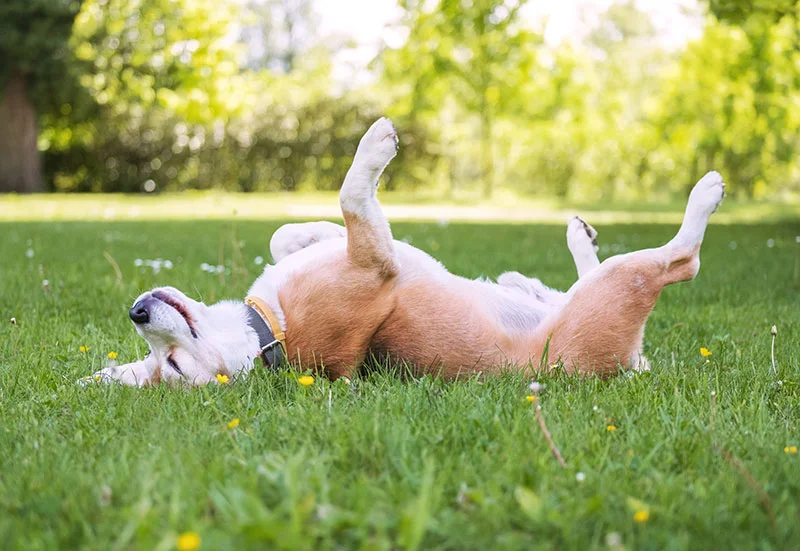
{"x": 190, "y": 341}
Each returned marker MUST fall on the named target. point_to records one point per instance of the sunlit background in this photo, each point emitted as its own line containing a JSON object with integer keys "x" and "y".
{"x": 584, "y": 99}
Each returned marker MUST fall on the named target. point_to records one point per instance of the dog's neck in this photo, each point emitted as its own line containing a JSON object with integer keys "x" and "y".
{"x": 266, "y": 325}
{"x": 239, "y": 343}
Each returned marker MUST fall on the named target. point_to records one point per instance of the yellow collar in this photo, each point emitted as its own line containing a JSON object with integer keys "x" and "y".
{"x": 269, "y": 316}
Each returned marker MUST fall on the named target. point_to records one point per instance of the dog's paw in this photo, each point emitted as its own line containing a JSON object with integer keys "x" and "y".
{"x": 378, "y": 146}
{"x": 581, "y": 237}
{"x": 639, "y": 363}
{"x": 95, "y": 378}
{"x": 707, "y": 194}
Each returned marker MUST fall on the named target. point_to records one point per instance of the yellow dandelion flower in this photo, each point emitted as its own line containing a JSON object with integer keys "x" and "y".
{"x": 531, "y": 398}
{"x": 233, "y": 423}
{"x": 188, "y": 541}
{"x": 222, "y": 378}
{"x": 112, "y": 355}
{"x": 790, "y": 449}
{"x": 705, "y": 352}
{"x": 642, "y": 515}
{"x": 611, "y": 428}
{"x": 84, "y": 348}
{"x": 306, "y": 380}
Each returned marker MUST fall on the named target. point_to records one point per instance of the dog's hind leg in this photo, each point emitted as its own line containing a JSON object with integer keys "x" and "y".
{"x": 369, "y": 239}
{"x": 290, "y": 238}
{"x": 582, "y": 243}
{"x": 602, "y": 325}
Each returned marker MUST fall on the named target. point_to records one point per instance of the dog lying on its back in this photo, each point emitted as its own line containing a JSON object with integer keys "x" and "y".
{"x": 337, "y": 293}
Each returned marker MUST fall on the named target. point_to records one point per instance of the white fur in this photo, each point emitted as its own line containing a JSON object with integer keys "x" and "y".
{"x": 223, "y": 343}
{"x": 581, "y": 243}
{"x": 291, "y": 238}
{"x": 704, "y": 199}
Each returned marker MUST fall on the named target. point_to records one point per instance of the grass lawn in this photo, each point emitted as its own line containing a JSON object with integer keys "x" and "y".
{"x": 387, "y": 462}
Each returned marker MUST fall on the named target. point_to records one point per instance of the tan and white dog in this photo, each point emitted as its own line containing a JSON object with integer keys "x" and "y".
{"x": 337, "y": 294}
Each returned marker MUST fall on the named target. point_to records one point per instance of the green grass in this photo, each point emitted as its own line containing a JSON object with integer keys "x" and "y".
{"x": 388, "y": 462}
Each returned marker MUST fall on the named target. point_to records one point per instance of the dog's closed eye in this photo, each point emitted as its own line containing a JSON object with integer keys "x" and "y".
{"x": 174, "y": 365}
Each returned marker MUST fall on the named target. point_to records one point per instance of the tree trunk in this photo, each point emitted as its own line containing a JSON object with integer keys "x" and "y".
{"x": 487, "y": 153}
{"x": 20, "y": 166}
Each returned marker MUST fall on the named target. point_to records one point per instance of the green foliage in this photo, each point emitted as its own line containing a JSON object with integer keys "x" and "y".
{"x": 388, "y": 462}
{"x": 178, "y": 94}
{"x": 33, "y": 41}
{"x": 732, "y": 104}
{"x": 474, "y": 55}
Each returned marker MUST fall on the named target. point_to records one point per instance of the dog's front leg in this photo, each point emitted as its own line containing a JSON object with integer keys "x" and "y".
{"x": 369, "y": 239}
{"x": 291, "y": 238}
{"x": 133, "y": 374}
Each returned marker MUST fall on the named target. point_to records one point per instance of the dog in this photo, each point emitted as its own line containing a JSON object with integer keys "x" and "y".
{"x": 338, "y": 294}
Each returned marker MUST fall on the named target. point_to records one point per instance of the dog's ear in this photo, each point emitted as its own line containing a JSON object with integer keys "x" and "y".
{"x": 141, "y": 373}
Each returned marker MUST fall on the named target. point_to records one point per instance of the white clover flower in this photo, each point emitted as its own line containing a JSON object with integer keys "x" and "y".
{"x": 138, "y": 262}
{"x": 614, "y": 540}
{"x": 770, "y": 243}
{"x": 595, "y": 408}
{"x": 258, "y": 260}
{"x": 536, "y": 387}
{"x": 168, "y": 264}
{"x": 29, "y": 253}
{"x": 580, "y": 477}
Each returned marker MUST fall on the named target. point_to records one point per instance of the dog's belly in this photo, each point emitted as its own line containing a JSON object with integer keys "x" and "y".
{"x": 427, "y": 317}
{"x": 442, "y": 323}
{"x": 436, "y": 330}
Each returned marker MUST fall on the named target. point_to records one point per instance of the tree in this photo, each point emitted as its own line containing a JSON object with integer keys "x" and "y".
{"x": 733, "y": 102}
{"x": 475, "y": 53}
{"x": 278, "y": 32}
{"x": 33, "y": 47}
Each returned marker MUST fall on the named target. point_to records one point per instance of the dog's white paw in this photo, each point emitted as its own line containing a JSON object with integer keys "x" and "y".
{"x": 378, "y": 146}
{"x": 98, "y": 377}
{"x": 581, "y": 237}
{"x": 707, "y": 194}
{"x": 639, "y": 363}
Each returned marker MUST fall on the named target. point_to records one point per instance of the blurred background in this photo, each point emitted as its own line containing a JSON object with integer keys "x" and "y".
{"x": 583, "y": 99}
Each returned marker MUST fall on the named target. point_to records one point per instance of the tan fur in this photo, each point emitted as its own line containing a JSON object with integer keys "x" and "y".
{"x": 333, "y": 312}
{"x": 339, "y": 312}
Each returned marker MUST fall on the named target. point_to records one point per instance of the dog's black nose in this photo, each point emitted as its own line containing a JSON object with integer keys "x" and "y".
{"x": 140, "y": 313}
